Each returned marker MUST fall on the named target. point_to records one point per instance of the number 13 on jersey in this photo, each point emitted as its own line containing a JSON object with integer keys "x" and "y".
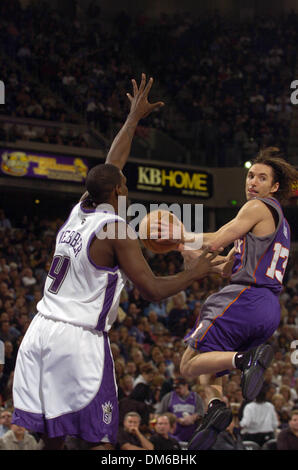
{"x": 279, "y": 252}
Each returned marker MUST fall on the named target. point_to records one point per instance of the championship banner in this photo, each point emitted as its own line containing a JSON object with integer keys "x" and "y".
{"x": 35, "y": 165}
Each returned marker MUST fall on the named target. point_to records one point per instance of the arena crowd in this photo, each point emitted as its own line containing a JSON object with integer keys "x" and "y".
{"x": 77, "y": 68}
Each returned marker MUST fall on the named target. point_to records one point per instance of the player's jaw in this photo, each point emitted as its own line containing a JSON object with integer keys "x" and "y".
{"x": 252, "y": 192}
{"x": 262, "y": 191}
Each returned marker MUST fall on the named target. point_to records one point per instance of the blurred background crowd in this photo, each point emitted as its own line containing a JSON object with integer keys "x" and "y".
{"x": 75, "y": 69}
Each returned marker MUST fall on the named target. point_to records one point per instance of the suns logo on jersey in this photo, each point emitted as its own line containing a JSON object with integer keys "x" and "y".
{"x": 238, "y": 245}
{"x": 107, "y": 410}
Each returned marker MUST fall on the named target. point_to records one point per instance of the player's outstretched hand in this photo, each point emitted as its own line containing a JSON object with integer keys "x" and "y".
{"x": 225, "y": 269}
{"x": 207, "y": 263}
{"x": 139, "y": 104}
{"x": 189, "y": 256}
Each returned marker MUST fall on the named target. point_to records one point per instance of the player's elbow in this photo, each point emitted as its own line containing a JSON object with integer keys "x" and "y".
{"x": 151, "y": 295}
{"x": 151, "y": 291}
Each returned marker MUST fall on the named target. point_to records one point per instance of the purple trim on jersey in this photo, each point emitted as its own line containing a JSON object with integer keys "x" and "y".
{"x": 97, "y": 266}
{"x": 288, "y": 227}
{"x": 273, "y": 199}
{"x": 90, "y": 211}
{"x": 86, "y": 211}
{"x": 108, "y": 301}
{"x": 92, "y": 423}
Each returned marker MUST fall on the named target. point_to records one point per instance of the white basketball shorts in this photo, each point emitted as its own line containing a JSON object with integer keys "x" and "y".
{"x": 64, "y": 382}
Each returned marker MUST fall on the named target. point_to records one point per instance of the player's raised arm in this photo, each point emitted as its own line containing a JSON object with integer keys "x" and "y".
{"x": 139, "y": 109}
{"x": 252, "y": 213}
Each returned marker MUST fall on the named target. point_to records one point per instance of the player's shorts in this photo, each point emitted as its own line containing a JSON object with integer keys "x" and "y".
{"x": 236, "y": 318}
{"x": 64, "y": 382}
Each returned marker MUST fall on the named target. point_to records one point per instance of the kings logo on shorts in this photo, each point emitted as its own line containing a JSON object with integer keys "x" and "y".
{"x": 107, "y": 409}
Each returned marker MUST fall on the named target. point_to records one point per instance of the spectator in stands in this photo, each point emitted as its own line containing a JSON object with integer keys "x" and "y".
{"x": 146, "y": 375}
{"x": 125, "y": 386}
{"x": 285, "y": 391}
{"x": 28, "y": 279}
{"x": 230, "y": 438}
{"x": 278, "y": 402}
{"x": 10, "y": 358}
{"x": 287, "y": 439}
{"x": 135, "y": 401}
{"x": 130, "y": 436}
{"x": 186, "y": 405}
{"x": 161, "y": 438}
{"x": 178, "y": 316}
{"x": 5, "y": 421}
{"x": 160, "y": 310}
{"x": 17, "y": 438}
{"x": 135, "y": 297}
{"x": 2, "y": 355}
{"x": 5, "y": 333}
{"x": 259, "y": 421}
{"x": 4, "y": 220}
{"x": 142, "y": 384}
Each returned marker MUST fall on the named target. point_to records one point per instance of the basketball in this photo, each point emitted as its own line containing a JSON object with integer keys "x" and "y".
{"x": 149, "y": 235}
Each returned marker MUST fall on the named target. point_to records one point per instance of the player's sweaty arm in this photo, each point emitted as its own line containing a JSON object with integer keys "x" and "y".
{"x": 252, "y": 213}
{"x": 131, "y": 260}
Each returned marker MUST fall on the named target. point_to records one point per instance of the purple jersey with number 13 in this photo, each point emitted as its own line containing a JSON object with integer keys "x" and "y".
{"x": 246, "y": 313}
{"x": 262, "y": 261}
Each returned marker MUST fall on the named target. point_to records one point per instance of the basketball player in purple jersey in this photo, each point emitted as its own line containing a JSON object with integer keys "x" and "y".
{"x": 64, "y": 381}
{"x": 235, "y": 322}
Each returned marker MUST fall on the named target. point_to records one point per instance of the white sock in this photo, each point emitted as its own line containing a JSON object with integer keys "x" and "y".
{"x": 233, "y": 361}
{"x": 214, "y": 398}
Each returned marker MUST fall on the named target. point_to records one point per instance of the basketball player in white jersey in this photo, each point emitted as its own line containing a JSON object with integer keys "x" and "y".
{"x": 64, "y": 382}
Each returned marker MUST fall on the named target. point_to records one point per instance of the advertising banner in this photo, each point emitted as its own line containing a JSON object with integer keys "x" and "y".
{"x": 141, "y": 177}
{"x": 28, "y": 164}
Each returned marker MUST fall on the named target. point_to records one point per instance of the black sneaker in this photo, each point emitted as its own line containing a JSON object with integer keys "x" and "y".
{"x": 255, "y": 364}
{"x": 217, "y": 418}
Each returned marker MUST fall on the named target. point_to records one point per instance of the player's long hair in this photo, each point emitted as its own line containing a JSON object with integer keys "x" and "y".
{"x": 283, "y": 172}
{"x": 100, "y": 182}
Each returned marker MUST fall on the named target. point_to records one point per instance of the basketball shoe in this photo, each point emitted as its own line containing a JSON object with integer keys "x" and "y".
{"x": 217, "y": 418}
{"x": 253, "y": 365}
